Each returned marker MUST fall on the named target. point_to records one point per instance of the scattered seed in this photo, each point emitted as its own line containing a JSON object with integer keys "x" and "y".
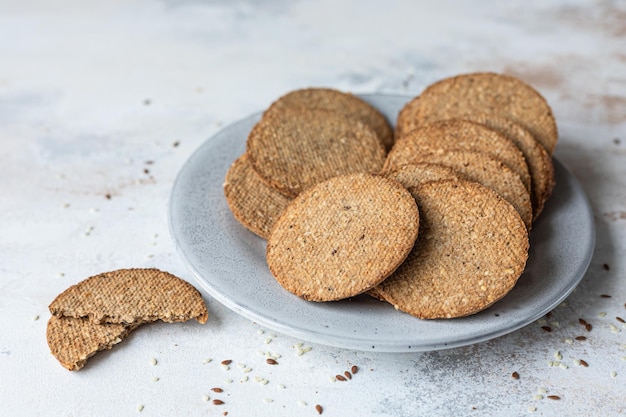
{"x": 229, "y": 381}
{"x": 227, "y": 362}
{"x": 36, "y": 317}
{"x": 554, "y": 397}
{"x": 302, "y": 403}
{"x": 588, "y": 327}
{"x": 247, "y": 370}
{"x": 271, "y": 361}
{"x": 546, "y": 328}
{"x": 354, "y": 369}
{"x": 605, "y": 296}
{"x": 532, "y": 409}
{"x": 140, "y": 408}
{"x": 218, "y": 402}
{"x": 606, "y": 267}
{"x": 244, "y": 379}
{"x": 281, "y": 386}
{"x": 542, "y": 321}
{"x": 241, "y": 365}
{"x": 153, "y": 361}
{"x": 515, "y": 375}
{"x": 268, "y": 400}
{"x": 602, "y": 314}
{"x": 621, "y": 320}
{"x": 555, "y": 323}
{"x": 319, "y": 409}
{"x": 542, "y": 390}
{"x": 614, "y": 328}
{"x": 583, "y": 363}
{"x": 568, "y": 341}
{"x": 332, "y": 379}
{"x": 580, "y": 338}
{"x": 207, "y": 360}
{"x": 538, "y": 397}
{"x": 563, "y": 366}
{"x": 582, "y": 321}
{"x": 348, "y": 375}
{"x": 340, "y": 378}
{"x": 107, "y": 196}
{"x": 613, "y": 374}
{"x": 268, "y": 341}
{"x": 558, "y": 355}
{"x": 217, "y": 389}
{"x": 206, "y": 397}
{"x": 175, "y": 144}
{"x": 155, "y": 379}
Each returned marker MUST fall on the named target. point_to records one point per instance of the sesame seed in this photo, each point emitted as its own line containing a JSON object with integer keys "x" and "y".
{"x": 319, "y": 409}
{"x": 241, "y": 365}
{"x": 226, "y": 367}
{"x": 268, "y": 400}
{"x": 260, "y": 331}
{"x": 264, "y": 382}
{"x": 614, "y": 328}
{"x": 515, "y": 375}
{"x": 268, "y": 341}
{"x": 155, "y": 379}
{"x": 36, "y": 317}
{"x": 229, "y": 381}
{"x": 532, "y": 409}
{"x": 558, "y": 355}
{"x": 153, "y": 361}
{"x": 542, "y": 390}
{"x": 218, "y": 402}
{"x": 554, "y": 397}
{"x": 244, "y": 379}
{"x": 602, "y": 314}
{"x": 246, "y": 370}
{"x": 140, "y": 408}
{"x": 281, "y": 386}
{"x": 207, "y": 360}
{"x": 613, "y": 374}
{"x": 302, "y": 403}
{"x": 538, "y": 397}
{"x": 206, "y": 397}
{"x": 568, "y": 341}
{"x": 563, "y": 366}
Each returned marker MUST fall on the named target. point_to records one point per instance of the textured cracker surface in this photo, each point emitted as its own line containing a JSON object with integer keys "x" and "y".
{"x": 493, "y": 174}
{"x": 471, "y": 250}
{"x": 295, "y": 149}
{"x": 131, "y": 296}
{"x": 488, "y": 92}
{"x": 461, "y": 134}
{"x": 74, "y": 340}
{"x": 343, "y": 237}
{"x": 252, "y": 201}
{"x": 337, "y": 101}
{"x": 412, "y": 175}
{"x": 537, "y": 158}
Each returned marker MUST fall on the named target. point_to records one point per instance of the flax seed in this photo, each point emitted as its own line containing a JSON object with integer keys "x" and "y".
{"x": 554, "y": 397}
{"x": 583, "y": 363}
{"x": 546, "y": 328}
{"x": 217, "y": 389}
{"x": 580, "y": 338}
{"x": 340, "y": 378}
{"x": 605, "y": 296}
{"x": 319, "y": 409}
{"x": 621, "y": 320}
{"x": 354, "y": 369}
{"x": 588, "y": 327}
{"x": 515, "y": 375}
{"x": 582, "y": 321}
{"x": 218, "y": 402}
{"x": 271, "y": 361}
{"x": 227, "y": 362}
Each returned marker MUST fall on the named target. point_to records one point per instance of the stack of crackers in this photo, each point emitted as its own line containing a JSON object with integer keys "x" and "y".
{"x": 432, "y": 218}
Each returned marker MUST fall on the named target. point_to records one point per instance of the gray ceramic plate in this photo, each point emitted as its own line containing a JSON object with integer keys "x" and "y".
{"x": 228, "y": 263}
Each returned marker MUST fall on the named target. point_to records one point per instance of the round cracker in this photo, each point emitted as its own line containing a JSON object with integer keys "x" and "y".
{"x": 461, "y": 134}
{"x": 491, "y": 173}
{"x": 342, "y": 237}
{"x": 74, "y": 340}
{"x": 344, "y": 103}
{"x": 252, "y": 201}
{"x": 471, "y": 250}
{"x": 131, "y": 296}
{"x": 488, "y": 92}
{"x": 297, "y": 148}
{"x": 537, "y": 158}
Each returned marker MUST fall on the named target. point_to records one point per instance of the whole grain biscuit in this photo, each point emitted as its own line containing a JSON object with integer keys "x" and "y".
{"x": 338, "y": 101}
{"x": 252, "y": 201}
{"x": 480, "y": 167}
{"x": 537, "y": 158}
{"x": 74, "y": 340}
{"x": 295, "y": 149}
{"x": 487, "y": 92}
{"x": 130, "y": 297}
{"x": 471, "y": 250}
{"x": 456, "y": 134}
{"x": 412, "y": 175}
{"x": 342, "y": 237}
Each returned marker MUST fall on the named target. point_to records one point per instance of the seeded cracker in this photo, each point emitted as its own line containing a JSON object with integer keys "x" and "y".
{"x": 457, "y": 134}
{"x": 295, "y": 149}
{"x": 131, "y": 296}
{"x": 344, "y": 103}
{"x": 471, "y": 250}
{"x": 480, "y": 167}
{"x": 72, "y": 341}
{"x": 486, "y": 92}
{"x": 342, "y": 237}
{"x": 253, "y": 203}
